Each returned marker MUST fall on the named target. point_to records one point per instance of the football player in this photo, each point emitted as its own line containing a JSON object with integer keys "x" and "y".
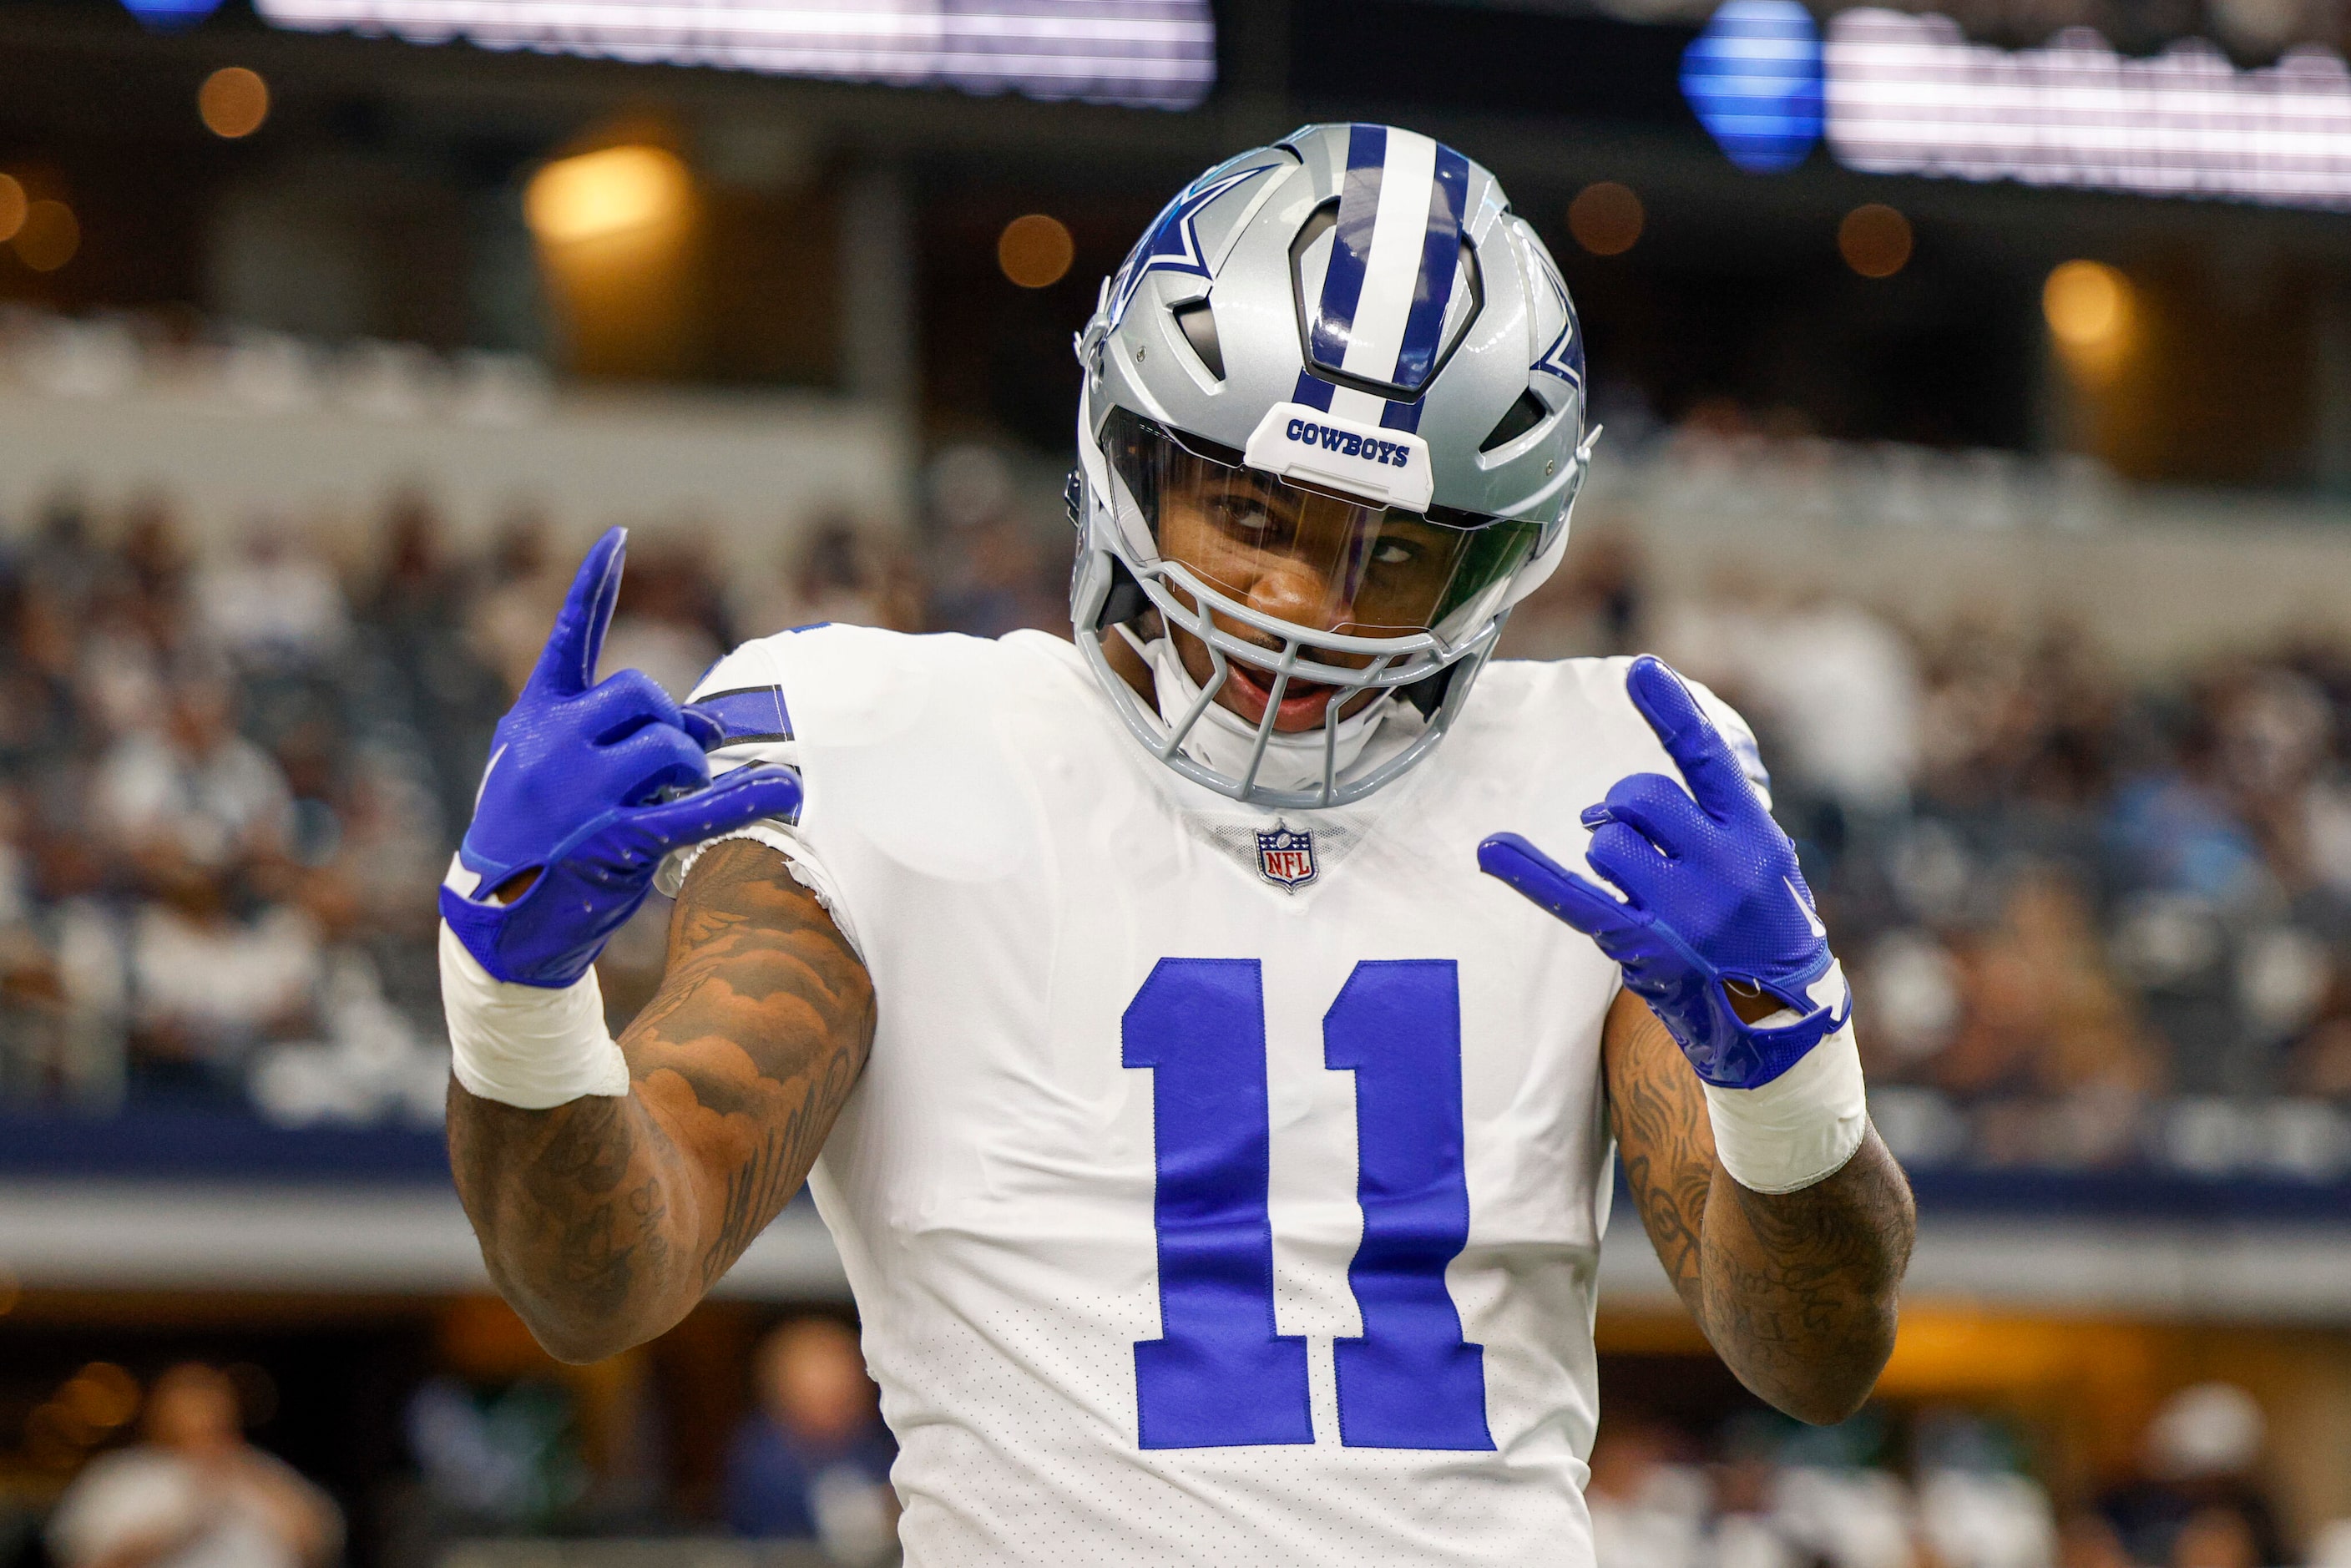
{"x": 1217, "y": 1147}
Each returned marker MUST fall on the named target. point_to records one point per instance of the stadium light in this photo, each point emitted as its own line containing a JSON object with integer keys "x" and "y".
{"x": 49, "y": 237}
{"x": 1874, "y": 240}
{"x": 1035, "y": 251}
{"x": 1148, "y": 53}
{"x": 233, "y": 102}
{"x": 605, "y": 193}
{"x": 1606, "y": 218}
{"x": 2087, "y": 304}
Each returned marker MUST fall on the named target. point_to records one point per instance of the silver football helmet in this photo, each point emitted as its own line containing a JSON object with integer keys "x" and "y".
{"x": 1332, "y": 426}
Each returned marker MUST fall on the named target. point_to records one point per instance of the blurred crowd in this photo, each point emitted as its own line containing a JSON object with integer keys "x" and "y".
{"x": 1944, "y": 1488}
{"x": 118, "y": 1469}
{"x": 2093, "y": 921}
{"x": 229, "y": 787}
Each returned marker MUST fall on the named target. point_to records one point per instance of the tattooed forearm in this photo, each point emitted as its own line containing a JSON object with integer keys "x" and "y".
{"x": 1797, "y": 1293}
{"x": 605, "y": 1219}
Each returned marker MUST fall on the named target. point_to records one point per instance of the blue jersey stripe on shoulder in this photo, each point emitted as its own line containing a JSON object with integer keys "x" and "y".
{"x": 749, "y": 714}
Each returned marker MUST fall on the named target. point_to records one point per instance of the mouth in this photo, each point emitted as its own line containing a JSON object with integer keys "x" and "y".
{"x": 1249, "y": 691}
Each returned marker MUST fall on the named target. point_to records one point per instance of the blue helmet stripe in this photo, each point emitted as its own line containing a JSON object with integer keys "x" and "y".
{"x": 1313, "y": 392}
{"x": 1440, "y": 259}
{"x": 1351, "y": 244}
{"x": 1400, "y": 415}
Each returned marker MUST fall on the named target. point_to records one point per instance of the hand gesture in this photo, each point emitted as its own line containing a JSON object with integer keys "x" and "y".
{"x": 588, "y": 787}
{"x": 1711, "y": 896}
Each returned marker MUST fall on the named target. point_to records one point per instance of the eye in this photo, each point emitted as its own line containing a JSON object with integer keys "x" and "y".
{"x": 1242, "y": 512}
{"x": 1394, "y": 552}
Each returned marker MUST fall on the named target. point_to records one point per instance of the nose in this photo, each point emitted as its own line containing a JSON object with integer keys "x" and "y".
{"x": 1288, "y": 590}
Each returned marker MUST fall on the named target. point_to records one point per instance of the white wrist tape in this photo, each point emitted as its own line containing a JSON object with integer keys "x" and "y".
{"x": 1797, "y": 1129}
{"x": 526, "y": 1046}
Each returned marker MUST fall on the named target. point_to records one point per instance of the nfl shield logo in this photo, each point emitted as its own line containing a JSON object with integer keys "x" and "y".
{"x": 1285, "y": 857}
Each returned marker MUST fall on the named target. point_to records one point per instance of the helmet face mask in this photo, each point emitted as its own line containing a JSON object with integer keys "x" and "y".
{"x": 1317, "y": 538}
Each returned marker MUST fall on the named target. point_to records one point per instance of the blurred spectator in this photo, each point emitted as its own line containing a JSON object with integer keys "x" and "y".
{"x": 2332, "y": 1549}
{"x": 1977, "y": 1518}
{"x": 1594, "y": 604}
{"x": 2049, "y": 1043}
{"x": 510, "y": 615}
{"x": 388, "y": 852}
{"x": 812, "y": 1461}
{"x": 193, "y": 790}
{"x": 668, "y": 623}
{"x": 2006, "y": 718}
{"x": 1846, "y": 1516}
{"x": 2197, "y": 1503}
{"x": 420, "y": 677}
{"x": 154, "y": 566}
{"x": 419, "y": 586}
{"x": 1747, "y": 1531}
{"x": 1782, "y": 1496}
{"x": 1840, "y": 686}
{"x": 210, "y": 985}
{"x": 194, "y": 1494}
{"x": 2087, "y": 1538}
{"x": 1647, "y": 1510}
{"x": 498, "y": 1460}
{"x": 842, "y": 576}
{"x": 989, "y": 574}
{"x": 273, "y": 606}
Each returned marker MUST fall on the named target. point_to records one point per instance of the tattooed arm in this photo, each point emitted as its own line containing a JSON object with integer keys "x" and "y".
{"x": 1795, "y": 1292}
{"x": 604, "y": 1220}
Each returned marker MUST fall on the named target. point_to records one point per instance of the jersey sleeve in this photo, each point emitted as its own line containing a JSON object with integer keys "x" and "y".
{"x": 745, "y": 693}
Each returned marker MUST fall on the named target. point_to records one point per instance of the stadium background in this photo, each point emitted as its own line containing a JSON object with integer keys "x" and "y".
{"x": 2016, "y": 512}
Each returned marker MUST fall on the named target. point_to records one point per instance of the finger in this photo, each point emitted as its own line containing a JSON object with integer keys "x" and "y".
{"x": 1574, "y": 899}
{"x": 624, "y": 703}
{"x": 658, "y": 757}
{"x": 709, "y": 733}
{"x": 1698, "y": 748}
{"x": 735, "y": 800}
{"x": 1623, "y": 855}
{"x": 567, "y": 665}
{"x": 1657, "y": 808}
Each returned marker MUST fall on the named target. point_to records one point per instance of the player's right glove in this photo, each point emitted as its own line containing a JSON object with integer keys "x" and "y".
{"x": 588, "y": 788}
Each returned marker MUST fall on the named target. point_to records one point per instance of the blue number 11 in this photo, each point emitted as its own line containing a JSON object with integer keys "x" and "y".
{"x": 1219, "y": 1375}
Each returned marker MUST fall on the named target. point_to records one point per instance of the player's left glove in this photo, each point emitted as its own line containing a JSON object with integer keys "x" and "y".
{"x": 1712, "y": 896}
{"x": 589, "y": 786}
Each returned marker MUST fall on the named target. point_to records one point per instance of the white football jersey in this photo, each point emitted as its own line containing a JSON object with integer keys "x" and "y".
{"x": 1225, "y": 1187}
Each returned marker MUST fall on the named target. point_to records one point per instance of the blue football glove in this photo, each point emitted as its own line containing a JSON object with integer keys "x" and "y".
{"x": 1711, "y": 895}
{"x": 589, "y": 786}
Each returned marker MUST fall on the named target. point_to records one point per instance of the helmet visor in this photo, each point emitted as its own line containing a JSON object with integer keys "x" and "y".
{"x": 1311, "y": 557}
